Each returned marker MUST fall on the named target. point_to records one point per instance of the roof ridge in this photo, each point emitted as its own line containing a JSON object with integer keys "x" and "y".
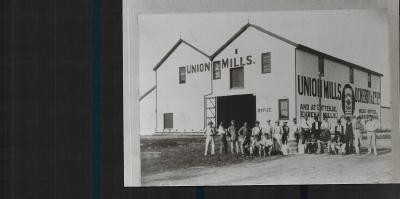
{"x": 243, "y": 29}
{"x": 175, "y": 46}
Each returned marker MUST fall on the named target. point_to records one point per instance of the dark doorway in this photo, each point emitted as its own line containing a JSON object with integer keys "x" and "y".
{"x": 241, "y": 108}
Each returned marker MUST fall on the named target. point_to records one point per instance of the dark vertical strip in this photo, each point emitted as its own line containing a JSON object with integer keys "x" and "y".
{"x": 199, "y": 192}
{"x": 4, "y": 102}
{"x": 96, "y": 99}
{"x": 303, "y": 191}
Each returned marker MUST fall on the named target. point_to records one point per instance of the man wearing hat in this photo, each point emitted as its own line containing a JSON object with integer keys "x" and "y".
{"x": 370, "y": 127}
{"x": 233, "y": 135}
{"x": 256, "y": 139}
{"x": 244, "y": 137}
{"x": 209, "y": 133}
{"x": 285, "y": 134}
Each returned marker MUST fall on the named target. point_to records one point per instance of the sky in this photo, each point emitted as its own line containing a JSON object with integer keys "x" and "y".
{"x": 357, "y": 36}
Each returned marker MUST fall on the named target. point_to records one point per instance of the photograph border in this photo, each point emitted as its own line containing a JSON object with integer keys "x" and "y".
{"x": 133, "y": 8}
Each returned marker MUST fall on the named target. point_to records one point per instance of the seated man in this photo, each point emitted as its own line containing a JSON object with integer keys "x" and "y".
{"x": 323, "y": 141}
{"x": 312, "y": 145}
{"x": 340, "y": 146}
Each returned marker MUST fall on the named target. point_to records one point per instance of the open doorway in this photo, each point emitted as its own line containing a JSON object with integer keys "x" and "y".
{"x": 241, "y": 108}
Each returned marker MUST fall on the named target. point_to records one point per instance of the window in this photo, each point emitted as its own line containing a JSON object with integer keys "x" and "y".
{"x": 266, "y": 62}
{"x": 217, "y": 70}
{"x": 351, "y": 75}
{"x": 237, "y": 77}
{"x": 369, "y": 80}
{"x": 321, "y": 66}
{"x": 182, "y": 75}
{"x": 168, "y": 120}
{"x": 284, "y": 109}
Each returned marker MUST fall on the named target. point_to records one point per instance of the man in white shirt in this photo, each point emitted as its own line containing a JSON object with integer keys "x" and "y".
{"x": 209, "y": 133}
{"x": 306, "y": 125}
{"x": 277, "y": 136}
{"x": 370, "y": 127}
{"x": 357, "y": 134}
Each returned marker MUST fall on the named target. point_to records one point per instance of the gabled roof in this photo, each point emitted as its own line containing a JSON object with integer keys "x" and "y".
{"x": 177, "y": 44}
{"x": 298, "y": 46}
{"x": 248, "y": 25}
{"x": 244, "y": 28}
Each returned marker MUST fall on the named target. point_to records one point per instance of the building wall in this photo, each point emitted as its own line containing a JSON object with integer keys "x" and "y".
{"x": 185, "y": 101}
{"x": 148, "y": 114}
{"x": 268, "y": 87}
{"x": 386, "y": 118}
{"x": 337, "y": 75}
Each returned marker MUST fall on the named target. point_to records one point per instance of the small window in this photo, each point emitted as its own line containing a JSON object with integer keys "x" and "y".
{"x": 217, "y": 70}
{"x": 266, "y": 62}
{"x": 182, "y": 75}
{"x": 351, "y": 75}
{"x": 237, "y": 77}
{"x": 168, "y": 120}
{"x": 284, "y": 109}
{"x": 321, "y": 66}
{"x": 369, "y": 80}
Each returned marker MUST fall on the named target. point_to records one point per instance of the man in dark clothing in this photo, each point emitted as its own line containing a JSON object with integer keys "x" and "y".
{"x": 244, "y": 137}
{"x": 285, "y": 133}
{"x": 349, "y": 136}
{"x": 312, "y": 145}
{"x": 316, "y": 128}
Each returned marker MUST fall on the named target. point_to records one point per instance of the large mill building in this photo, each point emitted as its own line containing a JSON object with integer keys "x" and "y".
{"x": 255, "y": 75}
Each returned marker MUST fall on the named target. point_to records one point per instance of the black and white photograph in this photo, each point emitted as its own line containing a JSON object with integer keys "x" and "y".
{"x": 265, "y": 98}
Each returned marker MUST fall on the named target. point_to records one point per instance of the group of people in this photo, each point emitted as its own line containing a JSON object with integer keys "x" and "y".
{"x": 310, "y": 137}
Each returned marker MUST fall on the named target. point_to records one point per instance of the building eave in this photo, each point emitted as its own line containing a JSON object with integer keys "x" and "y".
{"x": 148, "y": 92}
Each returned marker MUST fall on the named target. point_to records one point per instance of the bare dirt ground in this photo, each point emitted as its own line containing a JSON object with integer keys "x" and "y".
{"x": 182, "y": 164}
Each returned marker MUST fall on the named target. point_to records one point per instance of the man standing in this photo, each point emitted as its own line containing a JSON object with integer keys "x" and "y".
{"x": 224, "y": 142}
{"x": 256, "y": 139}
{"x": 325, "y": 135}
{"x": 349, "y": 136}
{"x": 294, "y": 137}
{"x": 266, "y": 143}
{"x": 370, "y": 127}
{"x": 233, "y": 135}
{"x": 339, "y": 136}
{"x": 316, "y": 131}
{"x": 209, "y": 133}
{"x": 304, "y": 134}
{"x": 277, "y": 137}
{"x": 244, "y": 137}
{"x": 357, "y": 134}
{"x": 306, "y": 129}
{"x": 285, "y": 134}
